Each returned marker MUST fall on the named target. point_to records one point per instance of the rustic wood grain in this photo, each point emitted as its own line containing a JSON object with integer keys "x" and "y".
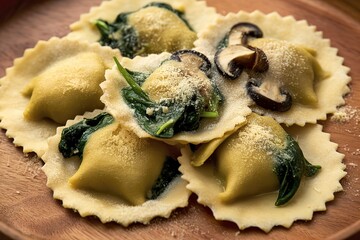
{"x": 27, "y": 210}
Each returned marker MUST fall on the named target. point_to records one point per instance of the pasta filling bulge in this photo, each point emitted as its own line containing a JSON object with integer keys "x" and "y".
{"x": 155, "y": 28}
{"x": 116, "y": 162}
{"x": 279, "y": 73}
{"x": 66, "y": 88}
{"x": 258, "y": 158}
{"x": 175, "y": 96}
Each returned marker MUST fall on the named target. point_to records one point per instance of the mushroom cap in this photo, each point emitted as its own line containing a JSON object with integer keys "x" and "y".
{"x": 231, "y": 61}
{"x": 240, "y": 32}
{"x": 269, "y": 96}
{"x": 192, "y": 58}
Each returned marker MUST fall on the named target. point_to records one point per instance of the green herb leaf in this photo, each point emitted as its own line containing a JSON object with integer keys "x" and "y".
{"x": 103, "y": 27}
{"x": 310, "y": 170}
{"x": 178, "y": 116}
{"x": 209, "y": 114}
{"x": 290, "y": 166}
{"x": 129, "y": 79}
{"x": 168, "y": 173}
{"x": 165, "y": 126}
{"x": 223, "y": 42}
{"x": 121, "y": 35}
{"x": 74, "y": 138}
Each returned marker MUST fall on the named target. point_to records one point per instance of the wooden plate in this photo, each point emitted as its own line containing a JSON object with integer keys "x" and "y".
{"x": 28, "y": 211}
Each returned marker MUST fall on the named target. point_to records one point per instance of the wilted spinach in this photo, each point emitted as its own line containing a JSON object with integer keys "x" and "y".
{"x": 74, "y": 138}
{"x": 168, "y": 116}
{"x": 121, "y": 35}
{"x": 223, "y": 42}
{"x": 168, "y": 173}
{"x": 289, "y": 166}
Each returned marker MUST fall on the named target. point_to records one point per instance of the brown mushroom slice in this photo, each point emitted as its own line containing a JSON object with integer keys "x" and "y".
{"x": 268, "y": 95}
{"x": 240, "y": 32}
{"x": 192, "y": 58}
{"x": 232, "y": 60}
{"x": 261, "y": 64}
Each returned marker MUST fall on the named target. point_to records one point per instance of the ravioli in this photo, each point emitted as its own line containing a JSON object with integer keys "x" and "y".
{"x": 292, "y": 68}
{"x": 134, "y": 33}
{"x": 109, "y": 181}
{"x": 72, "y": 80}
{"x": 324, "y": 89}
{"x": 260, "y": 158}
{"x": 121, "y": 169}
{"x": 231, "y": 113}
{"x": 32, "y": 102}
{"x": 146, "y": 24}
{"x": 103, "y": 170}
{"x": 171, "y": 32}
{"x": 169, "y": 80}
{"x": 244, "y": 161}
{"x": 250, "y": 209}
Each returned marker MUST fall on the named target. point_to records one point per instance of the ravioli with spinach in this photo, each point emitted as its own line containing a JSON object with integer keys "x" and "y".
{"x": 97, "y": 167}
{"x": 156, "y": 27}
{"x": 114, "y": 160}
{"x": 175, "y": 96}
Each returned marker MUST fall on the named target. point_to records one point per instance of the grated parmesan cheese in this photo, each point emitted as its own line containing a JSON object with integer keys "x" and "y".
{"x": 262, "y": 137}
{"x": 175, "y": 80}
{"x": 150, "y": 111}
{"x": 345, "y": 114}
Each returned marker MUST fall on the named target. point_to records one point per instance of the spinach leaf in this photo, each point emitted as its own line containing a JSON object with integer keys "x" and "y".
{"x": 290, "y": 166}
{"x": 168, "y": 173}
{"x": 165, "y": 118}
{"x": 74, "y": 138}
{"x": 138, "y": 77}
{"x": 121, "y": 35}
{"x": 223, "y": 42}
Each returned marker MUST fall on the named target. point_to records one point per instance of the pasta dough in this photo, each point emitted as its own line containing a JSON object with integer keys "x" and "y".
{"x": 171, "y": 37}
{"x": 74, "y": 81}
{"x": 48, "y": 60}
{"x": 244, "y": 160}
{"x": 258, "y": 158}
{"x": 160, "y": 30}
{"x": 105, "y": 206}
{"x": 259, "y": 211}
{"x": 329, "y": 92}
{"x": 175, "y": 80}
{"x": 231, "y": 113}
{"x": 291, "y": 67}
{"x": 114, "y": 162}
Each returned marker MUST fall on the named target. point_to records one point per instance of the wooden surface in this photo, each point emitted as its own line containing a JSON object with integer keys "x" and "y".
{"x": 27, "y": 210}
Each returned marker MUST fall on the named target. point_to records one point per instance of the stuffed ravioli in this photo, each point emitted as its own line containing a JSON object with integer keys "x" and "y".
{"x": 53, "y": 82}
{"x": 260, "y": 176}
{"x": 98, "y": 168}
{"x": 293, "y": 75}
{"x": 173, "y": 98}
{"x": 143, "y": 27}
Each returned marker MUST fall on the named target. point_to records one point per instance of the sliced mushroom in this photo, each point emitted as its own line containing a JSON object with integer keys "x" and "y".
{"x": 193, "y": 58}
{"x": 261, "y": 64}
{"x": 231, "y": 60}
{"x": 268, "y": 95}
{"x": 240, "y": 32}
